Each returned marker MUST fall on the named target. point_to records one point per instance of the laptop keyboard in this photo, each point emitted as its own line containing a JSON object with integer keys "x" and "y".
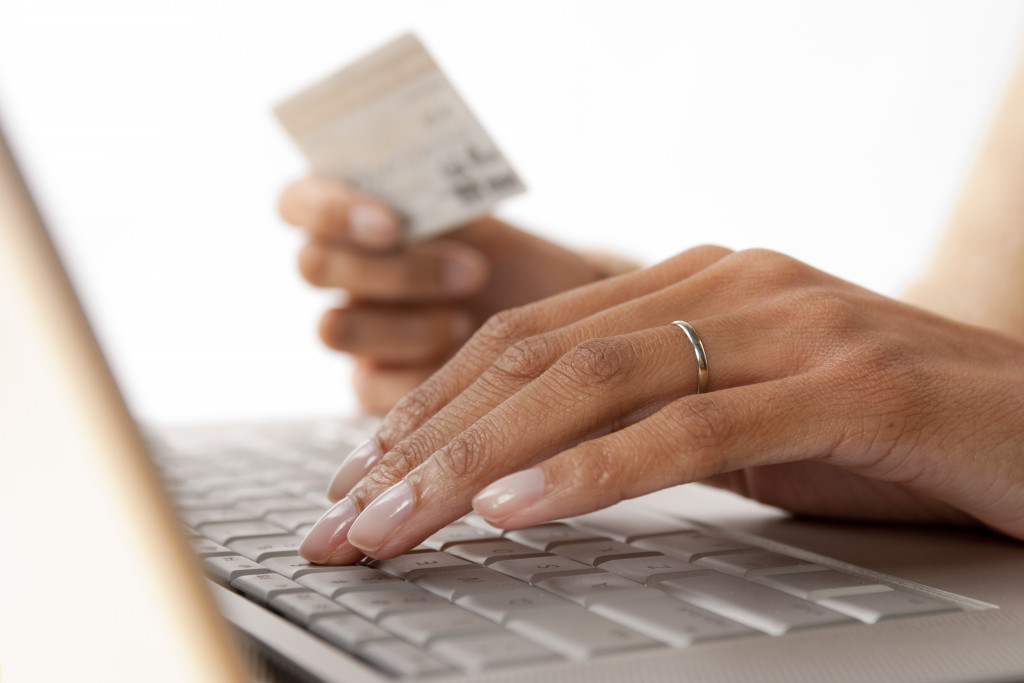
{"x": 473, "y": 598}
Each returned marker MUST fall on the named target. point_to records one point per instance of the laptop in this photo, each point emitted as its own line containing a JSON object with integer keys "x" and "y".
{"x": 169, "y": 554}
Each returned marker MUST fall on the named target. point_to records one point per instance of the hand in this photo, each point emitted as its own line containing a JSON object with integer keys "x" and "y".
{"x": 824, "y": 399}
{"x": 410, "y": 307}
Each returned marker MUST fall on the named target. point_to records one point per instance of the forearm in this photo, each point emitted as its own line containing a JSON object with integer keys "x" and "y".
{"x": 977, "y": 271}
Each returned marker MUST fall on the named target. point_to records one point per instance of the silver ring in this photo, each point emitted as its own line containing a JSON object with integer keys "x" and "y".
{"x": 698, "y": 348}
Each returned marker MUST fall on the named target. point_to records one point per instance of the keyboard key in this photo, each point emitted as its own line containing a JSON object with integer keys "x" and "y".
{"x": 204, "y": 547}
{"x": 596, "y": 552}
{"x": 264, "y": 547}
{"x": 304, "y": 608}
{"x": 182, "y": 503}
{"x": 755, "y": 564}
{"x": 236, "y": 495}
{"x": 294, "y": 519}
{"x": 424, "y": 626}
{"x": 227, "y": 568}
{"x": 500, "y": 606}
{"x": 872, "y": 607}
{"x": 264, "y": 506}
{"x": 486, "y": 552}
{"x": 307, "y": 483}
{"x": 294, "y": 566}
{"x": 589, "y": 589}
{"x": 220, "y": 482}
{"x": 547, "y": 536}
{"x": 536, "y": 569}
{"x": 762, "y": 608}
{"x": 822, "y": 584}
{"x": 691, "y": 546}
{"x": 651, "y": 570}
{"x": 458, "y": 532}
{"x": 343, "y": 579}
{"x": 348, "y": 631}
{"x": 412, "y": 565}
{"x": 576, "y": 633}
{"x": 379, "y": 603}
{"x": 489, "y": 651}
{"x": 225, "y": 532}
{"x": 626, "y": 525}
{"x": 452, "y": 585}
{"x": 402, "y": 659}
{"x": 265, "y": 587}
{"x": 194, "y": 518}
{"x": 479, "y": 522}
{"x": 671, "y": 621}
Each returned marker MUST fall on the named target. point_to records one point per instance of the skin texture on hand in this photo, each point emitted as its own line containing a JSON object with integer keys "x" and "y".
{"x": 409, "y": 307}
{"x": 824, "y": 399}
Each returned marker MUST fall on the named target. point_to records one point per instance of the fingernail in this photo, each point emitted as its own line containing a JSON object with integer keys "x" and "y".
{"x": 372, "y": 226}
{"x": 463, "y": 274}
{"x": 510, "y": 494}
{"x": 330, "y": 533}
{"x": 381, "y": 517}
{"x": 353, "y": 468}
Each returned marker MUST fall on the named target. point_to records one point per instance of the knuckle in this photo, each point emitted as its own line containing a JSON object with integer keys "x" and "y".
{"x": 599, "y": 362}
{"x": 767, "y": 267}
{"x": 702, "y": 427}
{"x": 527, "y": 358}
{"x": 602, "y": 469}
{"x": 389, "y": 471}
{"x": 412, "y": 410}
{"x": 709, "y": 253}
{"x": 823, "y": 310}
{"x": 505, "y": 328}
{"x": 462, "y": 459}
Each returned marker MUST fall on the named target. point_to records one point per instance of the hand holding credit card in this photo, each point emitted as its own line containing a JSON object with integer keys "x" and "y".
{"x": 395, "y": 214}
{"x": 392, "y": 126}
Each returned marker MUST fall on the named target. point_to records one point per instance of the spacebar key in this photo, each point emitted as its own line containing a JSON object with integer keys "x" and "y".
{"x": 576, "y": 633}
{"x": 748, "y": 603}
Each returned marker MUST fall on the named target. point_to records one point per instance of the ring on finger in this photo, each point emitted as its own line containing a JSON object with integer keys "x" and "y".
{"x": 698, "y": 349}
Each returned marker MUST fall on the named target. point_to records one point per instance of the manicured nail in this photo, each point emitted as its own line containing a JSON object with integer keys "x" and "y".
{"x": 354, "y": 467}
{"x": 372, "y": 226}
{"x": 330, "y": 533}
{"x": 510, "y": 495}
{"x": 381, "y": 517}
{"x": 463, "y": 274}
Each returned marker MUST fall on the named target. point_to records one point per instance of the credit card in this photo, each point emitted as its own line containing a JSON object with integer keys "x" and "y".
{"x": 391, "y": 125}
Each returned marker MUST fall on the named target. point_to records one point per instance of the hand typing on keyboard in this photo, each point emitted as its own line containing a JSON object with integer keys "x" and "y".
{"x": 824, "y": 398}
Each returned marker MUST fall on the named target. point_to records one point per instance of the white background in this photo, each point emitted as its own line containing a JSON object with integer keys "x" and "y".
{"x": 837, "y": 132}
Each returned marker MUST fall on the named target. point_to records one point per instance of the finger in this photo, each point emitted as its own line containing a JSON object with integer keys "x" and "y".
{"x": 596, "y": 387}
{"x": 690, "y": 439}
{"x": 392, "y": 335}
{"x": 509, "y": 327}
{"x": 431, "y": 271}
{"x": 437, "y": 420}
{"x": 525, "y": 361}
{"x": 335, "y": 212}
{"x": 378, "y": 389}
